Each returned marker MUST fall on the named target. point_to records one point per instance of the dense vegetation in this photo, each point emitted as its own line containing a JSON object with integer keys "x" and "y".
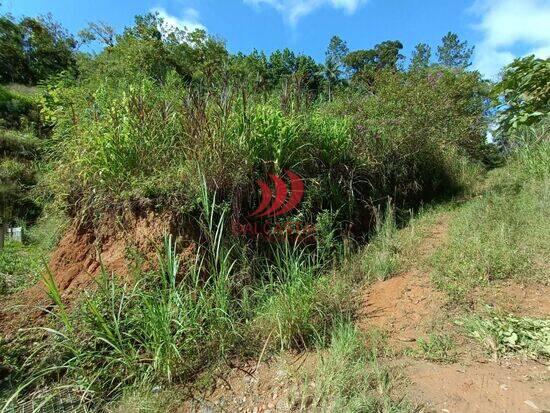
{"x": 170, "y": 121}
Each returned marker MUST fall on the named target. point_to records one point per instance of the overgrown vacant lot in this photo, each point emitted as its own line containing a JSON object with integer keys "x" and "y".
{"x": 414, "y": 278}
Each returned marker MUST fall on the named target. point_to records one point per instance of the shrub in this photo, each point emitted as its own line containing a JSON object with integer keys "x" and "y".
{"x": 14, "y": 107}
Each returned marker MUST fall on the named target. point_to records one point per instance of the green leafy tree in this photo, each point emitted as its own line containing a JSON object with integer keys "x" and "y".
{"x": 388, "y": 54}
{"x": 421, "y": 56}
{"x": 359, "y": 60}
{"x": 251, "y": 71}
{"x": 385, "y": 55}
{"x": 34, "y": 49}
{"x": 454, "y": 53}
{"x": 13, "y": 64}
{"x": 282, "y": 64}
{"x": 522, "y": 98}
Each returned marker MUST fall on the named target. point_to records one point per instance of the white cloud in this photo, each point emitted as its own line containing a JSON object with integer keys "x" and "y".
{"x": 188, "y": 21}
{"x": 509, "y": 24}
{"x": 293, "y": 10}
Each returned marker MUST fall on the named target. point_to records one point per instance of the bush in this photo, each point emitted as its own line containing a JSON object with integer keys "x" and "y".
{"x": 144, "y": 141}
{"x": 15, "y": 107}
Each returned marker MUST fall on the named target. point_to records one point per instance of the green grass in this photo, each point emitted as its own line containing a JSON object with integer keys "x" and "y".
{"x": 171, "y": 323}
{"x": 349, "y": 378}
{"x": 504, "y": 233}
{"x": 22, "y": 264}
{"x": 436, "y": 347}
{"x": 381, "y": 257}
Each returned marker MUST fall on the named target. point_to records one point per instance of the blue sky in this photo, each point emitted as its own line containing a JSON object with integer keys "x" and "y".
{"x": 500, "y": 29}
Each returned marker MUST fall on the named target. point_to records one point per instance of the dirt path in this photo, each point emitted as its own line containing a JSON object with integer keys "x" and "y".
{"x": 407, "y": 306}
{"x": 510, "y": 386}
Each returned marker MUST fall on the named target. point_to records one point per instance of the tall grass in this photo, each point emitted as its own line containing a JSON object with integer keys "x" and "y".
{"x": 503, "y": 233}
{"x": 138, "y": 140}
{"x": 349, "y": 378}
{"x": 174, "y": 321}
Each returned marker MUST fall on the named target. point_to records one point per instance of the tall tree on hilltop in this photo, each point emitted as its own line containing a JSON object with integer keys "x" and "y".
{"x": 454, "y": 53}
{"x": 337, "y": 50}
{"x": 421, "y": 56}
{"x": 388, "y": 54}
{"x": 33, "y": 49}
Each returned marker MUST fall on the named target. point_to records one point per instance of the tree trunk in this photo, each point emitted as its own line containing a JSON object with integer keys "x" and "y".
{"x": 3, "y": 230}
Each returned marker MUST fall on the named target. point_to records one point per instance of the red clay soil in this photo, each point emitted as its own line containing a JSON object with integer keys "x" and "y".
{"x": 531, "y": 300}
{"x": 77, "y": 260}
{"x": 405, "y": 306}
{"x": 509, "y": 386}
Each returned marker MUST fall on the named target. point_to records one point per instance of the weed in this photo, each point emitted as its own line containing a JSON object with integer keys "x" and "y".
{"x": 507, "y": 334}
{"x": 349, "y": 378}
{"x": 436, "y": 347}
{"x": 380, "y": 259}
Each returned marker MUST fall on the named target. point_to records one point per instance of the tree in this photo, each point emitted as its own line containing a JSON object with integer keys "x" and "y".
{"x": 336, "y": 51}
{"x": 12, "y": 56}
{"x": 49, "y": 48}
{"x": 251, "y": 70}
{"x": 421, "y": 56}
{"x": 388, "y": 54}
{"x": 34, "y": 49}
{"x": 101, "y": 32}
{"x": 332, "y": 69}
{"x": 282, "y": 64}
{"x": 453, "y": 53}
{"x": 384, "y": 55}
{"x": 360, "y": 59}
{"x": 521, "y": 98}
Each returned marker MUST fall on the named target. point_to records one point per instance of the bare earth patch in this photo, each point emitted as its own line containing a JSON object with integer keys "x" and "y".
{"x": 407, "y": 306}
{"x": 271, "y": 386}
{"x": 77, "y": 260}
{"x": 510, "y": 386}
{"x": 532, "y": 300}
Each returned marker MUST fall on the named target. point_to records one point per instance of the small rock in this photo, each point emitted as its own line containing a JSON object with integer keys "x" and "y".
{"x": 503, "y": 387}
{"x": 531, "y": 404}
